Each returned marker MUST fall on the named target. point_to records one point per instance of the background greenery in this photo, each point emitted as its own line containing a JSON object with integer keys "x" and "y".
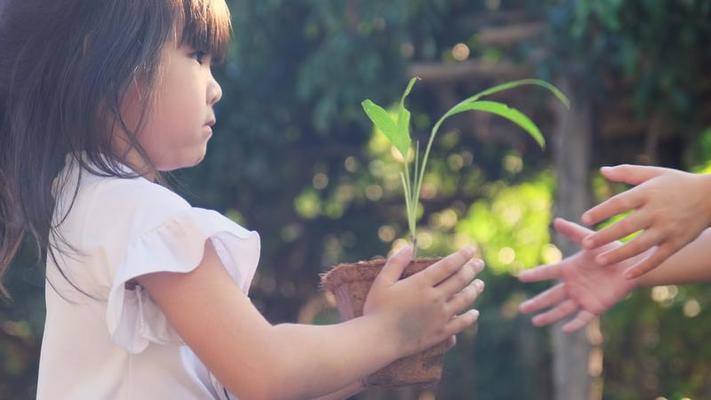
{"x": 294, "y": 158}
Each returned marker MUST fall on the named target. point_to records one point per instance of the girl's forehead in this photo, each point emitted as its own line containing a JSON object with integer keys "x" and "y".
{"x": 204, "y": 25}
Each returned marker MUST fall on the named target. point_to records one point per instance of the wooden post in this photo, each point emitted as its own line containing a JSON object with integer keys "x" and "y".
{"x": 573, "y": 367}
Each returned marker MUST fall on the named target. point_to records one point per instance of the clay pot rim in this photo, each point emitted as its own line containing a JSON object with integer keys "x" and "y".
{"x": 364, "y": 270}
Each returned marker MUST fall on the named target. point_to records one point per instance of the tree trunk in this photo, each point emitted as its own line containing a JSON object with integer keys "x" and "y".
{"x": 575, "y": 360}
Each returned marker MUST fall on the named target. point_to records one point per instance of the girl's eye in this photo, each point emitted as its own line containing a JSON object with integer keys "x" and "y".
{"x": 199, "y": 56}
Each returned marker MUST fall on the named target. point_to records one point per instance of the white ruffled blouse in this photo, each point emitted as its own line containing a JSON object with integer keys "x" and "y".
{"x": 103, "y": 340}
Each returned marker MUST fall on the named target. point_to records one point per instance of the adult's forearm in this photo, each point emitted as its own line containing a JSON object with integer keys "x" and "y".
{"x": 690, "y": 264}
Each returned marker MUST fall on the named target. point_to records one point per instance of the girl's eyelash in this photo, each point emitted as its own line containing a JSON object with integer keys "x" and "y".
{"x": 199, "y": 56}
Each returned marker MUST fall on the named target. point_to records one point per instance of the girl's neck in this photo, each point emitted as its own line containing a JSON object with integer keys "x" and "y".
{"x": 134, "y": 161}
{"x": 130, "y": 157}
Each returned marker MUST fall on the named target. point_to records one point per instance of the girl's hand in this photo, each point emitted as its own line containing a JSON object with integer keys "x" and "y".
{"x": 428, "y": 307}
{"x": 671, "y": 207}
{"x": 585, "y": 287}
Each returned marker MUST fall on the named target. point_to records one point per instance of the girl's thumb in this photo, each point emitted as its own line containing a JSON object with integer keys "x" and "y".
{"x": 395, "y": 265}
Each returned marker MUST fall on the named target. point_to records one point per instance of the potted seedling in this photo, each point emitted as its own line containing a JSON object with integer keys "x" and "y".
{"x": 351, "y": 282}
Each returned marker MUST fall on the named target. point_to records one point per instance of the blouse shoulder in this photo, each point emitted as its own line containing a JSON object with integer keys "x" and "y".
{"x": 136, "y": 193}
{"x": 141, "y": 204}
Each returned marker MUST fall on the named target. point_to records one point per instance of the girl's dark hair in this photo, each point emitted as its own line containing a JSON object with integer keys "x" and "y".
{"x": 65, "y": 67}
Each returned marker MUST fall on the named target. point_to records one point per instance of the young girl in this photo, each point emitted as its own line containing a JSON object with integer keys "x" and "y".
{"x": 146, "y": 295}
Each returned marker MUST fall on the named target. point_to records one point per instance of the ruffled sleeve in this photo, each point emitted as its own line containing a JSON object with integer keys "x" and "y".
{"x": 176, "y": 245}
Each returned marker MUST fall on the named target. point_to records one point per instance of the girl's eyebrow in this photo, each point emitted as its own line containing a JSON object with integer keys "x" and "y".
{"x": 190, "y": 46}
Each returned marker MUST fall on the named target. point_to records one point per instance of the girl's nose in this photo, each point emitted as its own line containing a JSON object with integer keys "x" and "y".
{"x": 214, "y": 92}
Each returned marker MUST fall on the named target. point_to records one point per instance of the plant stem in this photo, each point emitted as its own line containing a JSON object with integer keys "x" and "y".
{"x": 412, "y": 214}
{"x": 418, "y": 184}
{"x": 407, "y": 183}
{"x": 414, "y": 247}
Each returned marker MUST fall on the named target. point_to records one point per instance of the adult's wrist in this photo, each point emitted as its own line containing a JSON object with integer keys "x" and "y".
{"x": 642, "y": 280}
{"x": 706, "y": 190}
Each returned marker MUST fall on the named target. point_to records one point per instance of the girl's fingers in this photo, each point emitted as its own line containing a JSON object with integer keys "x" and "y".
{"x": 394, "y": 267}
{"x": 461, "y": 279}
{"x": 627, "y": 226}
{"x": 560, "y": 311}
{"x": 554, "y": 295}
{"x": 445, "y": 267}
{"x": 632, "y": 174}
{"x": 583, "y": 318}
{"x": 451, "y": 342}
{"x": 461, "y": 322}
{"x": 462, "y": 300}
{"x": 638, "y": 245}
{"x": 617, "y": 204}
{"x": 541, "y": 273}
{"x": 571, "y": 230}
{"x": 661, "y": 253}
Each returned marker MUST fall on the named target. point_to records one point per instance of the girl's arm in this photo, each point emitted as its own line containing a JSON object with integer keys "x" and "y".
{"x": 256, "y": 360}
{"x": 348, "y": 391}
{"x": 357, "y": 387}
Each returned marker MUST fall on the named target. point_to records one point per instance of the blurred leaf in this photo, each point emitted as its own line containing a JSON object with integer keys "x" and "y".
{"x": 505, "y": 111}
{"x": 391, "y": 129}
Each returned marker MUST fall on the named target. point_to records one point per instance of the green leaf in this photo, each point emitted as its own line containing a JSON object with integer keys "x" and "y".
{"x": 382, "y": 120}
{"x": 505, "y": 111}
{"x": 510, "y": 85}
{"x": 403, "y": 125}
{"x": 403, "y": 117}
{"x": 408, "y": 89}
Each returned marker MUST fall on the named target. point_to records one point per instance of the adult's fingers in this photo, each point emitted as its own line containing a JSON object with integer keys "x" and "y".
{"x": 643, "y": 242}
{"x": 661, "y": 253}
{"x": 554, "y": 295}
{"x": 616, "y": 204}
{"x": 445, "y": 267}
{"x": 583, "y": 318}
{"x": 559, "y": 312}
{"x": 632, "y": 174}
{"x": 620, "y": 229}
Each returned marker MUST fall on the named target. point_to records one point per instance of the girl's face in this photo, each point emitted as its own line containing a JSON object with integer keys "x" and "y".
{"x": 179, "y": 122}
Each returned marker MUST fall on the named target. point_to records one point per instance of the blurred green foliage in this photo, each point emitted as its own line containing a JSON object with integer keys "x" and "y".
{"x": 294, "y": 158}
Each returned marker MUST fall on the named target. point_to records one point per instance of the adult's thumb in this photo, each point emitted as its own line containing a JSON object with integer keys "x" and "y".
{"x": 394, "y": 267}
{"x": 632, "y": 174}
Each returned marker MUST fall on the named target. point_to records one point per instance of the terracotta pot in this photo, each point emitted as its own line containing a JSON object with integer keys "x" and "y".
{"x": 350, "y": 283}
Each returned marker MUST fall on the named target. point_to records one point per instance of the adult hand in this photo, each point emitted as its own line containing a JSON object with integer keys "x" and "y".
{"x": 585, "y": 287}
{"x": 671, "y": 208}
